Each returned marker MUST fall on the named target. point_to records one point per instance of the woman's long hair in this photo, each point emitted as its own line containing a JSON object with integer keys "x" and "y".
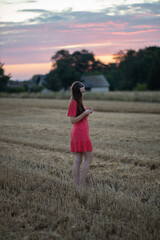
{"x": 77, "y": 95}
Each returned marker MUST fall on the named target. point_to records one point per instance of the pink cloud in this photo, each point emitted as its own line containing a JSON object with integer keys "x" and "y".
{"x": 67, "y": 30}
{"x": 146, "y": 26}
{"x": 105, "y": 24}
{"x": 133, "y": 33}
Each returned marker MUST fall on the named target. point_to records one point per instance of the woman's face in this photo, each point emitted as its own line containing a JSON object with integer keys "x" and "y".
{"x": 82, "y": 90}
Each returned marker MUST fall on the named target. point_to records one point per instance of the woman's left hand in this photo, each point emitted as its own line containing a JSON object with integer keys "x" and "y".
{"x": 90, "y": 108}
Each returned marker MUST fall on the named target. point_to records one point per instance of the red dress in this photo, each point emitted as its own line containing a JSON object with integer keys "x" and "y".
{"x": 80, "y": 139}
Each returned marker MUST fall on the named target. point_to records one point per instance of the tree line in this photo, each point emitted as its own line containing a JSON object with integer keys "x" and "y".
{"x": 134, "y": 70}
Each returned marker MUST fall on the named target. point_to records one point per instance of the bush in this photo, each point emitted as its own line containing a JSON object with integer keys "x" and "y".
{"x": 141, "y": 87}
{"x": 15, "y": 89}
{"x": 36, "y": 88}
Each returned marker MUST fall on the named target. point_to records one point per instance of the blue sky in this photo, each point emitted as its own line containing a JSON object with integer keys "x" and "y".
{"x": 31, "y": 31}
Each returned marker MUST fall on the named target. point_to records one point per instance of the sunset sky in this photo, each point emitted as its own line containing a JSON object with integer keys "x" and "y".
{"x": 31, "y": 31}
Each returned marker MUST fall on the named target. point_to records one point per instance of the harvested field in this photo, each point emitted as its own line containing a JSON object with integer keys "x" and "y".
{"x": 38, "y": 198}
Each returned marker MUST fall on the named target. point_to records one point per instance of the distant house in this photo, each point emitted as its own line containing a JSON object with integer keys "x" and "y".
{"x": 15, "y": 83}
{"x": 96, "y": 83}
{"x": 38, "y": 79}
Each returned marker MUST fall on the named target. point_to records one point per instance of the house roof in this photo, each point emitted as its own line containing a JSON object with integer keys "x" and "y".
{"x": 38, "y": 79}
{"x": 95, "y": 81}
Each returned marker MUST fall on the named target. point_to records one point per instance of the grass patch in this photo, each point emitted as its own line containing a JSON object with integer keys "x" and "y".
{"x": 133, "y": 96}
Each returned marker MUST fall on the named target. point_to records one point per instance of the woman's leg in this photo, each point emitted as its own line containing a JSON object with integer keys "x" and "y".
{"x": 88, "y": 157}
{"x": 76, "y": 167}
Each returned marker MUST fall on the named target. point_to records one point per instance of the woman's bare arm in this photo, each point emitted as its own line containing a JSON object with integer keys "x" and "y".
{"x": 82, "y": 115}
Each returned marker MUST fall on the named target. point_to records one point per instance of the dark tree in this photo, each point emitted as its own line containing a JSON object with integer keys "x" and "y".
{"x": 83, "y": 61}
{"x": 3, "y": 79}
{"x": 52, "y": 81}
{"x": 153, "y": 82}
{"x": 63, "y": 76}
{"x": 141, "y": 68}
{"x": 68, "y": 68}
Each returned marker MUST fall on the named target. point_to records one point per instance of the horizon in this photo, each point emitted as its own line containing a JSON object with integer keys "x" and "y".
{"x": 32, "y": 31}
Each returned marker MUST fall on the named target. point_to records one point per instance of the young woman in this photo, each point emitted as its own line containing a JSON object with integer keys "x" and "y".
{"x": 80, "y": 140}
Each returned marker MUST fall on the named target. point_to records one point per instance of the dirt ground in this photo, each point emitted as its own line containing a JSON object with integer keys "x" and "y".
{"x": 38, "y": 199}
